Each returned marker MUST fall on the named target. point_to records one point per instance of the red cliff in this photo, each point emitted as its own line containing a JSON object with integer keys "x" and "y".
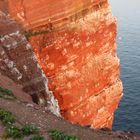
{"x": 75, "y": 45}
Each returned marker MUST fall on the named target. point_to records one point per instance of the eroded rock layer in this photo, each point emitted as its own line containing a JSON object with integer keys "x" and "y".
{"x": 19, "y": 63}
{"x": 75, "y": 44}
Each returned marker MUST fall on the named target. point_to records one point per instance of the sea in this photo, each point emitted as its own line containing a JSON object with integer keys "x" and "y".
{"x": 127, "y": 12}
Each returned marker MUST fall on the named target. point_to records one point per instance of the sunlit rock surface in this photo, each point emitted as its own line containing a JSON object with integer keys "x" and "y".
{"x": 75, "y": 44}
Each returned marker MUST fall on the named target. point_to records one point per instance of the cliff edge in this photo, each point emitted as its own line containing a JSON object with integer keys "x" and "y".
{"x": 26, "y": 113}
{"x": 68, "y": 59}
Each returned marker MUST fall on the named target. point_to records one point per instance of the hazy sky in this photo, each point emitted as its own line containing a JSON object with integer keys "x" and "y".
{"x": 126, "y": 6}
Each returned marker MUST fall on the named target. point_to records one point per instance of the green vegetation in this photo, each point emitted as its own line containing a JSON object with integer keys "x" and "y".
{"x": 30, "y": 129}
{"x": 11, "y": 130}
{"x": 29, "y": 34}
{"x": 8, "y": 120}
{"x": 37, "y": 137}
{"x": 6, "y": 94}
{"x": 58, "y": 135}
{"x": 6, "y": 117}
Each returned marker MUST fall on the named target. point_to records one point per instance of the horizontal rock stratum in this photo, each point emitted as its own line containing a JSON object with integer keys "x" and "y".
{"x": 75, "y": 46}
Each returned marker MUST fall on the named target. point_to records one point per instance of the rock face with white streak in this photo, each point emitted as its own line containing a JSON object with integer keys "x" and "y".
{"x": 18, "y": 62}
{"x": 75, "y": 45}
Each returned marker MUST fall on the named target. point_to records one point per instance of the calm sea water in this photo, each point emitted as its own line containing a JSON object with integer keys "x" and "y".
{"x": 127, "y": 117}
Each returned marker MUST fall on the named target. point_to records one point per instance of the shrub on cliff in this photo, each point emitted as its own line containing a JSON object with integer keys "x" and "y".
{"x": 30, "y": 129}
{"x": 6, "y": 94}
{"x": 6, "y": 117}
{"x": 37, "y": 137}
{"x": 58, "y": 135}
{"x": 11, "y": 130}
{"x": 14, "y": 132}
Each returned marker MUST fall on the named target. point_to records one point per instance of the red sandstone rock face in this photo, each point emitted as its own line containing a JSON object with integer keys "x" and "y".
{"x": 76, "y": 46}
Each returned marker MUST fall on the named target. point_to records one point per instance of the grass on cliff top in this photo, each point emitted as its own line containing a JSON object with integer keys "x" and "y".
{"x": 6, "y": 117}
{"x": 6, "y": 94}
{"x": 58, "y": 135}
{"x": 15, "y": 132}
{"x": 12, "y": 131}
{"x": 37, "y": 137}
{"x": 30, "y": 129}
